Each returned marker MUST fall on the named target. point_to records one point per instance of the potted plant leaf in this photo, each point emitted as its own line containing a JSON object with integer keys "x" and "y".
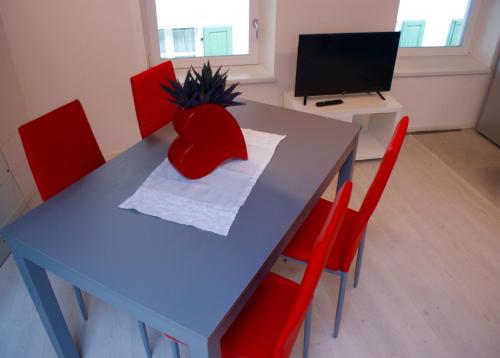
{"x": 208, "y": 134}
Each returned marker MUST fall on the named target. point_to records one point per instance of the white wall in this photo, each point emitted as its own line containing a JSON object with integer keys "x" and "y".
{"x": 88, "y": 50}
{"x": 489, "y": 31}
{"x": 12, "y": 115}
{"x": 442, "y": 102}
{"x": 294, "y": 17}
{"x": 12, "y": 109}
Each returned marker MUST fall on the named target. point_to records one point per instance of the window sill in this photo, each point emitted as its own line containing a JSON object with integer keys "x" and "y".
{"x": 438, "y": 66}
{"x": 243, "y": 74}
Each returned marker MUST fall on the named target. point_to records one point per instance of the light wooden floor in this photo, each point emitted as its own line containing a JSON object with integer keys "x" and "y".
{"x": 430, "y": 285}
{"x": 470, "y": 154}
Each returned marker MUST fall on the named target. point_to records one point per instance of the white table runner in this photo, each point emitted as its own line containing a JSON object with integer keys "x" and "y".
{"x": 210, "y": 203}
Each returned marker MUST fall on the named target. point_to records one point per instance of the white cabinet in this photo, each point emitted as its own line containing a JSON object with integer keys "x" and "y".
{"x": 377, "y": 118}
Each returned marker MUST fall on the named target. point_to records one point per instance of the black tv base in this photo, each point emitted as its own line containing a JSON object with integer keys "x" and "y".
{"x": 381, "y": 96}
{"x": 304, "y": 102}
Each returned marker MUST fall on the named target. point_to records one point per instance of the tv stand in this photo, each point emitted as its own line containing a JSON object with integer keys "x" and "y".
{"x": 381, "y": 96}
{"x": 377, "y": 118}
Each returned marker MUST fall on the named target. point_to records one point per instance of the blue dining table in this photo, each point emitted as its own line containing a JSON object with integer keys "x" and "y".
{"x": 188, "y": 283}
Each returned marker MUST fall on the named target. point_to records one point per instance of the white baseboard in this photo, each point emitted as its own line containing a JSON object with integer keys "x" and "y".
{"x": 441, "y": 127}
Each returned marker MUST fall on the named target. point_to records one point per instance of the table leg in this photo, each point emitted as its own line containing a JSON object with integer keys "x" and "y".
{"x": 345, "y": 172}
{"x": 45, "y": 301}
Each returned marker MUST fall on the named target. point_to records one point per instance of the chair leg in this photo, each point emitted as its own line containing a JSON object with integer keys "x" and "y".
{"x": 359, "y": 259}
{"x": 340, "y": 303}
{"x": 174, "y": 348}
{"x": 144, "y": 337}
{"x": 81, "y": 303}
{"x": 307, "y": 331}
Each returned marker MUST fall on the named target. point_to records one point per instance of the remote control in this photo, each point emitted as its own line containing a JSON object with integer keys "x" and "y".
{"x": 329, "y": 103}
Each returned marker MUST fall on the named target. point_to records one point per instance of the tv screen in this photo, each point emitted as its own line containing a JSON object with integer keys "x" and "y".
{"x": 345, "y": 63}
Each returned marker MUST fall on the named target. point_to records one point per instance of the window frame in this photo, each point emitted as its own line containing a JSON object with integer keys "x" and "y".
{"x": 153, "y": 46}
{"x": 470, "y": 21}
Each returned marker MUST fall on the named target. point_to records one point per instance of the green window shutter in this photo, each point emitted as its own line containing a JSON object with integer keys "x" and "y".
{"x": 455, "y": 33}
{"x": 412, "y": 33}
{"x": 217, "y": 40}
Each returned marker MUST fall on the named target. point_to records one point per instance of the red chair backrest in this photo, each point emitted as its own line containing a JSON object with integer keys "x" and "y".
{"x": 60, "y": 148}
{"x": 374, "y": 193}
{"x": 321, "y": 250}
{"x": 152, "y": 106}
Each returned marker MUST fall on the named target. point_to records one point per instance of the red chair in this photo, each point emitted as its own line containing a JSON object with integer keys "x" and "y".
{"x": 152, "y": 106}
{"x": 270, "y": 322}
{"x": 61, "y": 149}
{"x": 352, "y": 233}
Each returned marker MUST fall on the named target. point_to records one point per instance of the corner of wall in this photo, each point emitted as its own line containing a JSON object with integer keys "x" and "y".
{"x": 487, "y": 33}
{"x": 13, "y": 113}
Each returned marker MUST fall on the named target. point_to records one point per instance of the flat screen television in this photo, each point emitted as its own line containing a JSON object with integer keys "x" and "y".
{"x": 345, "y": 63}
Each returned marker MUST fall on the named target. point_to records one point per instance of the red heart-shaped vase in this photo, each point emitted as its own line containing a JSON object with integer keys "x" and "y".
{"x": 208, "y": 136}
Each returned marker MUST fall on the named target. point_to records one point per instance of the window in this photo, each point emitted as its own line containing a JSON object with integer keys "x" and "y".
{"x": 431, "y": 23}
{"x": 183, "y": 41}
{"x": 190, "y": 31}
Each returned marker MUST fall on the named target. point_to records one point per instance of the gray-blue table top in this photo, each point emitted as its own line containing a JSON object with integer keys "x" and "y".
{"x": 185, "y": 277}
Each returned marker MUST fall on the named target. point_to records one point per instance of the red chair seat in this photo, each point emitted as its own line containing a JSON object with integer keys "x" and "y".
{"x": 300, "y": 248}
{"x": 259, "y": 324}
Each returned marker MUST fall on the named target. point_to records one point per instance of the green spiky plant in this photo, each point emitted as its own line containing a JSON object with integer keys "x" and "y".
{"x": 202, "y": 88}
